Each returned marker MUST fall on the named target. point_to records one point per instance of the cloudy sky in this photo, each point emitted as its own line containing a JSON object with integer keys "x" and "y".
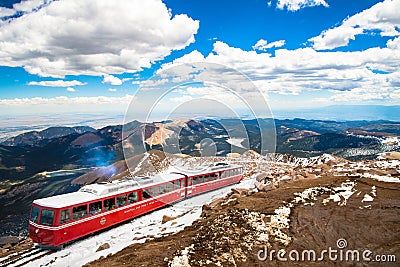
{"x": 94, "y": 55}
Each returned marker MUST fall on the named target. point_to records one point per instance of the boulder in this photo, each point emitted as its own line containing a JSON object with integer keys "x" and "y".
{"x": 103, "y": 247}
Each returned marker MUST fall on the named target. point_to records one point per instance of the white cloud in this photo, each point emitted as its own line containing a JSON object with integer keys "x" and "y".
{"x": 29, "y": 5}
{"x": 109, "y": 79}
{"x": 70, "y": 89}
{"x": 295, "y": 5}
{"x": 65, "y": 101}
{"x": 112, "y": 89}
{"x": 181, "y": 99}
{"x": 383, "y": 16}
{"x": 58, "y": 83}
{"x": 23, "y": 6}
{"x": 305, "y": 69}
{"x": 264, "y": 45}
{"x": 5, "y": 12}
{"x": 94, "y": 37}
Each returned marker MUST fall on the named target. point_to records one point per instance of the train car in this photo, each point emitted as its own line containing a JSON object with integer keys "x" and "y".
{"x": 57, "y": 220}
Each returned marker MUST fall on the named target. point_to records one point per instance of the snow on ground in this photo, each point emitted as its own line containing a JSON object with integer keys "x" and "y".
{"x": 236, "y": 142}
{"x": 135, "y": 231}
{"x": 382, "y": 178}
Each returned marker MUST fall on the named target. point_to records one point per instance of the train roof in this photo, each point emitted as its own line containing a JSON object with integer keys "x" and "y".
{"x": 92, "y": 192}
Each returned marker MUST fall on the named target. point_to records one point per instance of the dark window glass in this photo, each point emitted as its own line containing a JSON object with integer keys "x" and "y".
{"x": 121, "y": 201}
{"x": 212, "y": 176}
{"x": 195, "y": 180}
{"x": 146, "y": 194}
{"x": 64, "y": 216}
{"x": 35, "y": 214}
{"x": 46, "y": 217}
{"x": 170, "y": 187}
{"x": 163, "y": 189}
{"x": 132, "y": 197}
{"x": 79, "y": 212}
{"x": 177, "y": 184}
{"x": 154, "y": 191}
{"x": 201, "y": 179}
{"x": 95, "y": 208}
{"x": 109, "y": 204}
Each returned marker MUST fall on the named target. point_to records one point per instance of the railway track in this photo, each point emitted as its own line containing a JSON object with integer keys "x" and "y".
{"x": 23, "y": 257}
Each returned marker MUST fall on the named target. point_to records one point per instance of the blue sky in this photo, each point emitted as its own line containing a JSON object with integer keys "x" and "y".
{"x": 95, "y": 55}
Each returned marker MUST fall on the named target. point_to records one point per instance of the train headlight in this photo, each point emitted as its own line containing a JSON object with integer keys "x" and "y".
{"x": 37, "y": 230}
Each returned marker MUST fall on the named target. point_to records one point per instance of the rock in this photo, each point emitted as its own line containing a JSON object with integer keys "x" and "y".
{"x": 215, "y": 202}
{"x": 260, "y": 177}
{"x": 259, "y": 186}
{"x": 103, "y": 247}
{"x": 235, "y": 196}
{"x": 241, "y": 191}
{"x": 300, "y": 177}
{"x": 285, "y": 178}
{"x": 12, "y": 240}
{"x": 167, "y": 218}
{"x": 269, "y": 187}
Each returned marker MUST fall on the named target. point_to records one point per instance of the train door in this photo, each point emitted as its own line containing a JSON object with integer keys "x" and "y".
{"x": 189, "y": 186}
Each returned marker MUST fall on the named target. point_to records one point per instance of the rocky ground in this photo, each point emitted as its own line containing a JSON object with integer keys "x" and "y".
{"x": 316, "y": 204}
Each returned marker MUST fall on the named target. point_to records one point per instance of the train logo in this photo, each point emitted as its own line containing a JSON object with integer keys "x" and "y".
{"x": 102, "y": 221}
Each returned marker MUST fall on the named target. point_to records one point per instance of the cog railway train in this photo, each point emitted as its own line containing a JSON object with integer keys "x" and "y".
{"x": 57, "y": 220}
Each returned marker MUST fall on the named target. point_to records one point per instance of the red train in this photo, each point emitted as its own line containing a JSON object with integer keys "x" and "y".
{"x": 57, "y": 220}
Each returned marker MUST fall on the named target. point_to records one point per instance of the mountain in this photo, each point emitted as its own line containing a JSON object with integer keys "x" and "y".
{"x": 39, "y": 138}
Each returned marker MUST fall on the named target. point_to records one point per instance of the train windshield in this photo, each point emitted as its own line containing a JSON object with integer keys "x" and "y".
{"x": 46, "y": 218}
{"x": 35, "y": 214}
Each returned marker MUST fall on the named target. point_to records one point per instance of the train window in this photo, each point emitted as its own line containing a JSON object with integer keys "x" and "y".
{"x": 146, "y": 193}
{"x": 132, "y": 197}
{"x": 154, "y": 191}
{"x": 109, "y": 204}
{"x": 170, "y": 186}
{"x": 212, "y": 176}
{"x": 121, "y": 201}
{"x": 79, "y": 212}
{"x": 163, "y": 189}
{"x": 35, "y": 214}
{"x": 64, "y": 216}
{"x": 223, "y": 174}
{"x": 95, "y": 208}
{"x": 195, "y": 180}
{"x": 46, "y": 217}
{"x": 183, "y": 183}
{"x": 177, "y": 184}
